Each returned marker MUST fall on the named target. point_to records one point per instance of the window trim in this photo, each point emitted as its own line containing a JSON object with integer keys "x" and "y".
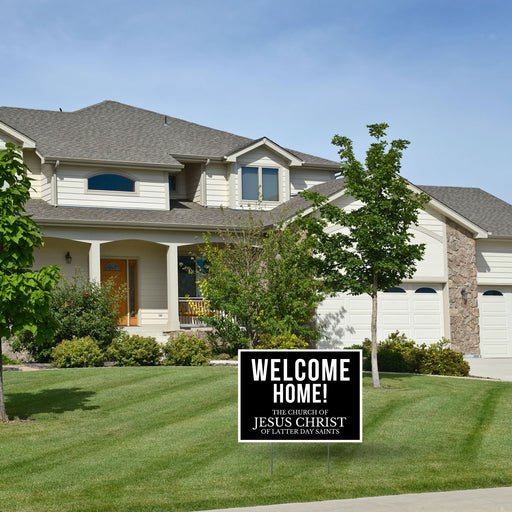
{"x": 260, "y": 167}
{"x": 135, "y": 191}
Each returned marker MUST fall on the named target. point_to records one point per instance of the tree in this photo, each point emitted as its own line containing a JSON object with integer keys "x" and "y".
{"x": 374, "y": 250}
{"x": 260, "y": 279}
{"x": 25, "y": 294}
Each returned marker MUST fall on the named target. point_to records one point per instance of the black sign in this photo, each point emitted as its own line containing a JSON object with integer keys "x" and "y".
{"x": 300, "y": 396}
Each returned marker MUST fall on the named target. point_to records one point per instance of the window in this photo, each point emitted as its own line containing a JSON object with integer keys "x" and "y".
{"x": 188, "y": 269}
{"x": 172, "y": 183}
{"x": 396, "y": 289}
{"x": 425, "y": 290}
{"x": 260, "y": 183}
{"x": 111, "y": 182}
{"x": 112, "y": 267}
{"x": 493, "y": 292}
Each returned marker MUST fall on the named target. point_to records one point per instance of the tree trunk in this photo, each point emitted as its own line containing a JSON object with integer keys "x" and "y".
{"x": 375, "y": 366}
{"x": 3, "y": 414}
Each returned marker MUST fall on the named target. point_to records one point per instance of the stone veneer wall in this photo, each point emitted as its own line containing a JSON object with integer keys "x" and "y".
{"x": 464, "y": 315}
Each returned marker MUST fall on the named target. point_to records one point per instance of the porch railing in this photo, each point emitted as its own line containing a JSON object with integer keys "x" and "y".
{"x": 190, "y": 309}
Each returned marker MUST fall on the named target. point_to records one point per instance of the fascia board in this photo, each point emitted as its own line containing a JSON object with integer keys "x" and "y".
{"x": 26, "y": 142}
{"x": 294, "y": 161}
{"x": 122, "y": 224}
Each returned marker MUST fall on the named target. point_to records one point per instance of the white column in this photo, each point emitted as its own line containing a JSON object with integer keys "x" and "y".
{"x": 95, "y": 262}
{"x": 173, "y": 322}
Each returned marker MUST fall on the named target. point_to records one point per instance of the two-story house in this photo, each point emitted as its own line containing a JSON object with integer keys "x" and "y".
{"x": 126, "y": 193}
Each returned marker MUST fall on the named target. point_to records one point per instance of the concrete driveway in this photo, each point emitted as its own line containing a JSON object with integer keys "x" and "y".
{"x": 491, "y": 368}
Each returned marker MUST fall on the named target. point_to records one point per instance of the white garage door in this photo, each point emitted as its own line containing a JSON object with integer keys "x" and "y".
{"x": 413, "y": 309}
{"x": 495, "y": 306}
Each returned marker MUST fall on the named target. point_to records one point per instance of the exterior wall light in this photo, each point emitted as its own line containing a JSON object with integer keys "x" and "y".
{"x": 68, "y": 258}
{"x": 464, "y": 294}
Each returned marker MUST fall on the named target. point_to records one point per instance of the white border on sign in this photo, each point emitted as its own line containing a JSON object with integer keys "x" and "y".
{"x": 317, "y": 351}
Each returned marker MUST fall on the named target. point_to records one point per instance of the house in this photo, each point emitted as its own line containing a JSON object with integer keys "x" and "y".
{"x": 126, "y": 193}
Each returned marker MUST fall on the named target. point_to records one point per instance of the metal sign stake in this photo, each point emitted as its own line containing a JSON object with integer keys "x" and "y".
{"x": 271, "y": 458}
{"x": 328, "y": 458}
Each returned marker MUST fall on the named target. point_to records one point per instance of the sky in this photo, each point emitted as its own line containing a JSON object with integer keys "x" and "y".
{"x": 439, "y": 72}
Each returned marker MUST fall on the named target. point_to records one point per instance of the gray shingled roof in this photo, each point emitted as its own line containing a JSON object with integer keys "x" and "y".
{"x": 483, "y": 209}
{"x": 183, "y": 215}
{"x": 112, "y": 131}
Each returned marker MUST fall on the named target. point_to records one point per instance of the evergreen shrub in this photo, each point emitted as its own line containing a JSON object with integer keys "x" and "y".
{"x": 126, "y": 350}
{"x": 184, "y": 350}
{"x": 77, "y": 353}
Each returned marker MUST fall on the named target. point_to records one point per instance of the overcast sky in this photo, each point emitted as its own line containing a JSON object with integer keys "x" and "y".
{"x": 437, "y": 71}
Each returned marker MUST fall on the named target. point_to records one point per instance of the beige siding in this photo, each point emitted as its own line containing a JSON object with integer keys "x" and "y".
{"x": 432, "y": 221}
{"x": 217, "y": 185}
{"x": 494, "y": 262}
{"x": 430, "y": 232}
{"x": 301, "y": 179}
{"x": 54, "y": 251}
{"x": 151, "y": 190}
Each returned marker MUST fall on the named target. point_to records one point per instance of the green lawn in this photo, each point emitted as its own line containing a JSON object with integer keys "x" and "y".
{"x": 162, "y": 439}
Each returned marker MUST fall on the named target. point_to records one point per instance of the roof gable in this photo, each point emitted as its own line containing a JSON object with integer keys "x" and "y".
{"x": 267, "y": 143}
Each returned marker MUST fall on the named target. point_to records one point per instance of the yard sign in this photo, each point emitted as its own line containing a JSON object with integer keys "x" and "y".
{"x": 300, "y": 396}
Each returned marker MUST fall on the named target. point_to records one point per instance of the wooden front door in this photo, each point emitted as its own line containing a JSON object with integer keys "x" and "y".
{"x": 123, "y": 273}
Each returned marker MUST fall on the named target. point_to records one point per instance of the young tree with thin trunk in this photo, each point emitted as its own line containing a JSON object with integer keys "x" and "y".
{"x": 24, "y": 294}
{"x": 374, "y": 250}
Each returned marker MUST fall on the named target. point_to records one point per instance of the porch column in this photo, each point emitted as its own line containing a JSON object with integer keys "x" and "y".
{"x": 173, "y": 322}
{"x": 94, "y": 262}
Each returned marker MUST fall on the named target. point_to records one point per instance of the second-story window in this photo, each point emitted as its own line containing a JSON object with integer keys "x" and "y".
{"x": 260, "y": 183}
{"x": 111, "y": 182}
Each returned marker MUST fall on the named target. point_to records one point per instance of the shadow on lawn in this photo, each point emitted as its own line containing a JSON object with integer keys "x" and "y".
{"x": 56, "y": 401}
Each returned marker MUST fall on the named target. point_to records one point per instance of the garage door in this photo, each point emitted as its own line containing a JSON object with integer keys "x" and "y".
{"x": 495, "y": 306}
{"x": 413, "y": 309}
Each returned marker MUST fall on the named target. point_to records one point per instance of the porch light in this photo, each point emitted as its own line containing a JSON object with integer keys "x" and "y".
{"x": 464, "y": 294}
{"x": 68, "y": 257}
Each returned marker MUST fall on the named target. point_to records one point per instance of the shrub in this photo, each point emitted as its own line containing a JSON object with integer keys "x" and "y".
{"x": 78, "y": 308}
{"x": 8, "y": 360}
{"x": 281, "y": 341}
{"x": 127, "y": 350}
{"x": 186, "y": 350}
{"x": 396, "y": 353}
{"x": 226, "y": 337}
{"x": 77, "y": 353}
{"x": 438, "y": 359}
{"x": 399, "y": 354}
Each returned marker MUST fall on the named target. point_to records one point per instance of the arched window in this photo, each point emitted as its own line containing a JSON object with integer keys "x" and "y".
{"x": 425, "y": 290}
{"x": 395, "y": 289}
{"x": 111, "y": 182}
{"x": 493, "y": 292}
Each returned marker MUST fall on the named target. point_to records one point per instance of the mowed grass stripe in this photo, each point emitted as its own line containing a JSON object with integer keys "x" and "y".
{"x": 137, "y": 439}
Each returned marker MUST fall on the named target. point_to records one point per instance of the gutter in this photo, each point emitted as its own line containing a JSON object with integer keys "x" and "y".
{"x": 112, "y": 163}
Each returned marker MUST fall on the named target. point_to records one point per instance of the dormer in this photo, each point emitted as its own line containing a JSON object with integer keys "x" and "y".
{"x": 259, "y": 175}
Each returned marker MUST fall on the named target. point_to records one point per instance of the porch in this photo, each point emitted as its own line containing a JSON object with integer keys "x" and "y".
{"x": 162, "y": 292}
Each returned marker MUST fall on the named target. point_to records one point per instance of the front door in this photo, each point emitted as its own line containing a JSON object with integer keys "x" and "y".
{"x": 124, "y": 274}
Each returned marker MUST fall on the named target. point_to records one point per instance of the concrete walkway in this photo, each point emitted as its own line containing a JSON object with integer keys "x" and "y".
{"x": 485, "y": 500}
